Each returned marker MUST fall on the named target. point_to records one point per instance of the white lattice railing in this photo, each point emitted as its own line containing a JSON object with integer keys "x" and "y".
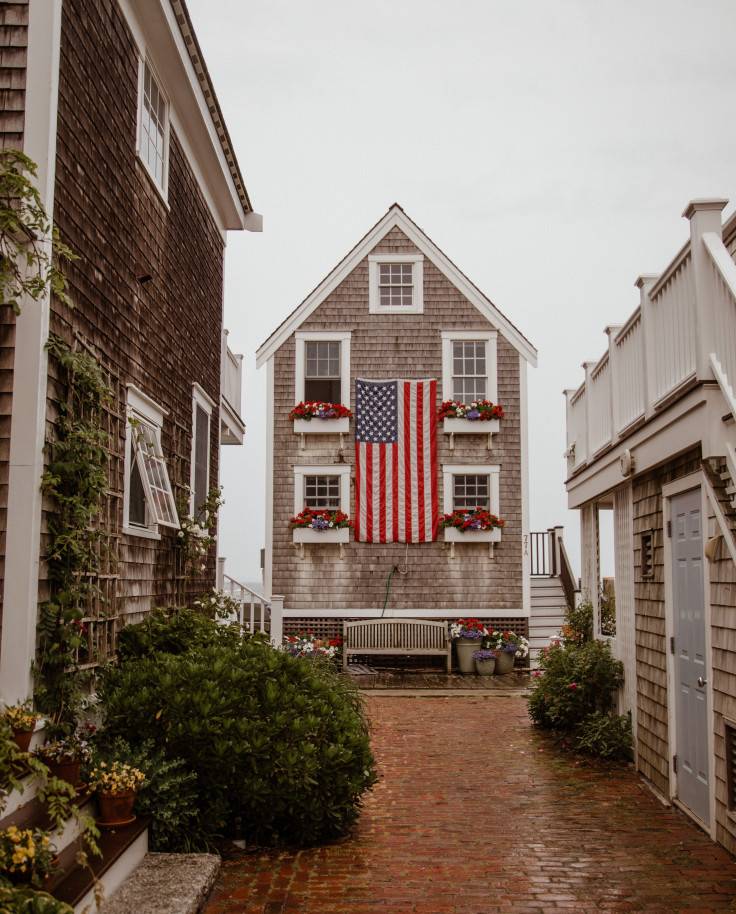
{"x": 684, "y": 331}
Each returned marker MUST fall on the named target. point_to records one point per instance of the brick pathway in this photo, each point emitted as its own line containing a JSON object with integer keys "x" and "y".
{"x": 475, "y": 813}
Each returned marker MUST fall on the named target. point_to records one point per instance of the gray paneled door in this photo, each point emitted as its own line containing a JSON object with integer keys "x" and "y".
{"x": 691, "y": 671}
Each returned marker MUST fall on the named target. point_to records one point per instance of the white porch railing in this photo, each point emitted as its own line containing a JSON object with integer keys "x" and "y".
{"x": 254, "y": 611}
{"x": 684, "y": 331}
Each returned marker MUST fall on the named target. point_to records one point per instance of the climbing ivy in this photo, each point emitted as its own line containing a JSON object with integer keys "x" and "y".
{"x": 76, "y": 479}
{"x": 26, "y": 266}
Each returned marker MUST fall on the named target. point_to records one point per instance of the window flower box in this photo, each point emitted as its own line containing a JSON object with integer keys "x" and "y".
{"x": 453, "y": 535}
{"x": 310, "y": 535}
{"x": 322, "y": 426}
{"x": 481, "y": 417}
{"x": 454, "y": 426}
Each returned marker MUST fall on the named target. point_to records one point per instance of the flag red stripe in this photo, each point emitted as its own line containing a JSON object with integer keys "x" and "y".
{"x": 382, "y": 500}
{"x": 419, "y": 437}
{"x": 368, "y": 476}
{"x": 358, "y": 476}
{"x": 433, "y": 457}
{"x": 395, "y": 492}
{"x": 406, "y": 456}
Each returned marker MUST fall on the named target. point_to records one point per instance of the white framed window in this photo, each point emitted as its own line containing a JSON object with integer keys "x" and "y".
{"x": 322, "y": 487}
{"x": 468, "y": 486}
{"x": 153, "y": 126}
{"x": 148, "y": 500}
{"x": 469, "y": 365}
{"x": 199, "y": 481}
{"x": 396, "y": 283}
{"x": 322, "y": 366}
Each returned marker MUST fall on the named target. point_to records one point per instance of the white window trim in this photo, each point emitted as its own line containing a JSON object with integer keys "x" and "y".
{"x": 457, "y": 336}
{"x": 417, "y": 260}
{"x": 139, "y": 405}
{"x": 163, "y": 188}
{"x": 330, "y": 469}
{"x": 199, "y": 398}
{"x": 318, "y": 336}
{"x": 493, "y": 471}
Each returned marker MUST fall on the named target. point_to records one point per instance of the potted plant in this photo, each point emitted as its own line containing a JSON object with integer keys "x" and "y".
{"x": 467, "y": 635}
{"x": 64, "y": 757}
{"x": 485, "y": 662}
{"x": 26, "y": 855}
{"x": 471, "y": 524}
{"x": 314, "y": 416}
{"x": 314, "y": 526}
{"x": 22, "y": 719}
{"x": 306, "y": 644}
{"x": 115, "y": 786}
{"x": 478, "y": 417}
{"x": 508, "y": 646}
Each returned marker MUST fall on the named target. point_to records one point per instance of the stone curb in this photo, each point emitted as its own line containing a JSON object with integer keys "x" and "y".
{"x": 166, "y": 884}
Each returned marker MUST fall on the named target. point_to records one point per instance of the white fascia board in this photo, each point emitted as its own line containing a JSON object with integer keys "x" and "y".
{"x": 156, "y": 32}
{"x": 683, "y": 426}
{"x": 395, "y": 218}
{"x": 417, "y": 612}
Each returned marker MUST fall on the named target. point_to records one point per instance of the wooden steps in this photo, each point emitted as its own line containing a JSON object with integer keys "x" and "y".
{"x": 123, "y": 848}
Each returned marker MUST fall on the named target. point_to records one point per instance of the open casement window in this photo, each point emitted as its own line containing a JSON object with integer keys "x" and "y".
{"x": 154, "y": 476}
{"x": 396, "y": 283}
{"x": 147, "y": 500}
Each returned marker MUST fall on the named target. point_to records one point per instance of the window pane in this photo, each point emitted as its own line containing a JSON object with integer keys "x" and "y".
{"x": 136, "y": 497}
{"x": 322, "y": 492}
{"x": 324, "y": 390}
{"x": 469, "y": 370}
{"x": 395, "y": 285}
{"x": 470, "y": 492}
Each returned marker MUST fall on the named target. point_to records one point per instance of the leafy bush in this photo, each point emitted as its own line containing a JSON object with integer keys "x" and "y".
{"x": 168, "y": 794}
{"x": 276, "y": 742}
{"x": 574, "y": 696}
{"x": 24, "y": 900}
{"x": 578, "y": 625}
{"x": 173, "y": 631}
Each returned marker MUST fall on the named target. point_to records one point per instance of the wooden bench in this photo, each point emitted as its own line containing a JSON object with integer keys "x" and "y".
{"x": 395, "y": 636}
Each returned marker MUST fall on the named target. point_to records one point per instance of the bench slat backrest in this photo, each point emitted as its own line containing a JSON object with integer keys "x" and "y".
{"x": 395, "y": 634}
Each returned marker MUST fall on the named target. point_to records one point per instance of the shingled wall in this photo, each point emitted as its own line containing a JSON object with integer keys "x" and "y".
{"x": 161, "y": 336}
{"x": 398, "y": 346}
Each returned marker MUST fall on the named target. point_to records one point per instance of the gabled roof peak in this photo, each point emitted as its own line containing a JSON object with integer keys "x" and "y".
{"x": 396, "y": 217}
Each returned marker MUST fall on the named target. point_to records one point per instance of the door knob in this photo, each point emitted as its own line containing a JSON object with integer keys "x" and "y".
{"x": 701, "y": 681}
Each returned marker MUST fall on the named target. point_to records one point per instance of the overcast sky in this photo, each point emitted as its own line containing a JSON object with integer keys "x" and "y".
{"x": 548, "y": 147}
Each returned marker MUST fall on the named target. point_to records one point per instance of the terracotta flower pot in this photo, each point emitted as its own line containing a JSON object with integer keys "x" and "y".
{"x": 66, "y": 771}
{"x": 116, "y": 809}
{"x": 22, "y": 739}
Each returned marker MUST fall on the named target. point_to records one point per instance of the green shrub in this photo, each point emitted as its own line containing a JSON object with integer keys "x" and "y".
{"x": 276, "y": 742}
{"x": 573, "y": 695}
{"x": 24, "y": 900}
{"x": 173, "y": 631}
{"x": 168, "y": 794}
{"x": 578, "y": 625}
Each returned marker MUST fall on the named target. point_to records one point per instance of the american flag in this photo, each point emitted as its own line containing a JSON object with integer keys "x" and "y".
{"x": 395, "y": 461}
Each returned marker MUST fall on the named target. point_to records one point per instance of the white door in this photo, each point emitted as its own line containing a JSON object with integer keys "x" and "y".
{"x": 691, "y": 673}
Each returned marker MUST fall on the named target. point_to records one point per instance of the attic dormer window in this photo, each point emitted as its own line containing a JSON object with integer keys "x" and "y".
{"x": 396, "y": 283}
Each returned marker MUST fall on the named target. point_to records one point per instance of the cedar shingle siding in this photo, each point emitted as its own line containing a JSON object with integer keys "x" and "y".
{"x": 398, "y": 346}
{"x": 162, "y": 335}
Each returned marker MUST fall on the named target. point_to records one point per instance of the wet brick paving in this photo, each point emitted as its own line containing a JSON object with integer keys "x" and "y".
{"x": 475, "y": 813}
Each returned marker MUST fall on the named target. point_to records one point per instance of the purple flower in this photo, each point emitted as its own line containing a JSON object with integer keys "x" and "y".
{"x": 483, "y": 655}
{"x": 471, "y": 633}
{"x": 320, "y": 523}
{"x": 510, "y": 648}
{"x": 472, "y": 414}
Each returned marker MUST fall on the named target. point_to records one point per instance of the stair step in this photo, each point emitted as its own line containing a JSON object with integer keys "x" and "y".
{"x": 181, "y": 881}
{"x": 122, "y": 849}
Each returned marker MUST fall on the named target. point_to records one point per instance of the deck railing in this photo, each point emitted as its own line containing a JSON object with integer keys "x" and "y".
{"x": 254, "y": 611}
{"x": 684, "y": 331}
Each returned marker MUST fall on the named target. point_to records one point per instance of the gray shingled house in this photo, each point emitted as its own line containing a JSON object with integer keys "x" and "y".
{"x": 396, "y": 309}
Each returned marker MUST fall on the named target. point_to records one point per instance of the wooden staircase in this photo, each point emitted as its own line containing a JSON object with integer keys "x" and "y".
{"x": 123, "y": 848}
{"x": 548, "y": 605}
